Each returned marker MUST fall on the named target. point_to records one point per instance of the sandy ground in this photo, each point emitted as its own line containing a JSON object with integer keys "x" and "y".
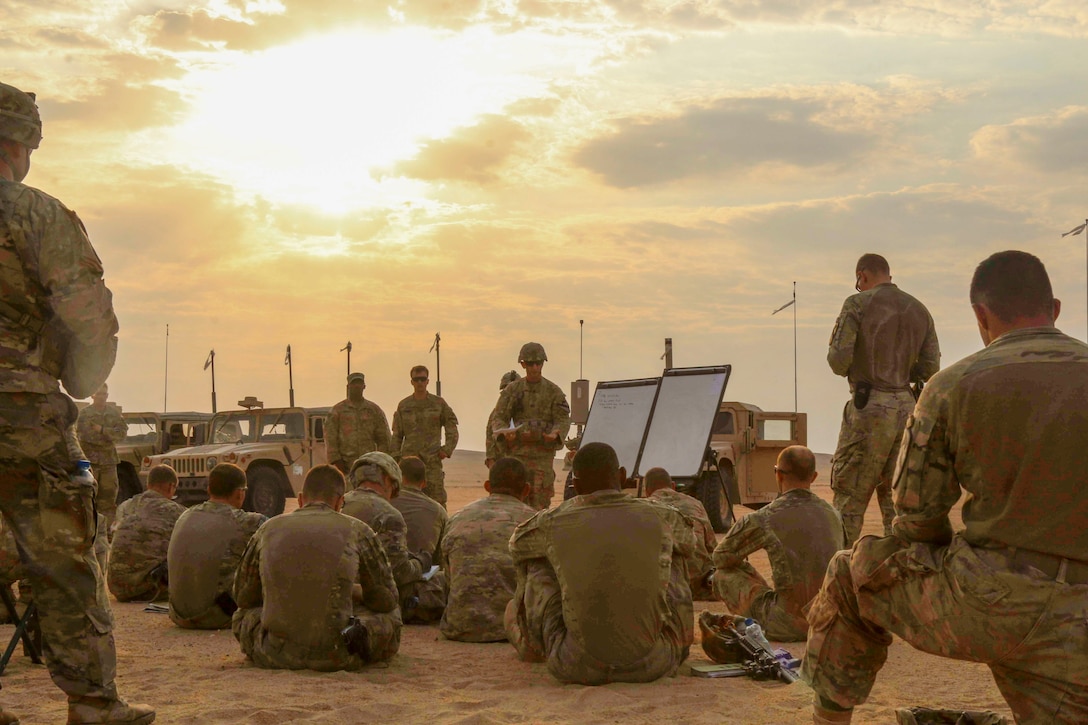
{"x": 201, "y": 677}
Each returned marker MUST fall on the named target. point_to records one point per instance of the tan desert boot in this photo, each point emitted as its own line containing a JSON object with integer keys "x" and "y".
{"x": 6, "y": 718}
{"x": 97, "y": 711}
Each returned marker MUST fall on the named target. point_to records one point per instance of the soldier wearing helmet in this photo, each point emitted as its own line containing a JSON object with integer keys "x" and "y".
{"x": 532, "y": 417}
{"x": 57, "y": 326}
{"x": 375, "y": 478}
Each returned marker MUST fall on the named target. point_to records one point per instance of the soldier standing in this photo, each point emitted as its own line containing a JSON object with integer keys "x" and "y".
{"x": 355, "y": 426}
{"x": 882, "y": 342}
{"x": 417, "y": 431}
{"x": 56, "y": 322}
{"x": 495, "y": 449}
{"x": 101, "y": 427}
{"x": 1003, "y": 427}
{"x": 540, "y": 417}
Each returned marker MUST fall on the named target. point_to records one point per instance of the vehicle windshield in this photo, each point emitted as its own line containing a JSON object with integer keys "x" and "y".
{"x": 283, "y": 426}
{"x": 234, "y": 428}
{"x": 141, "y": 429}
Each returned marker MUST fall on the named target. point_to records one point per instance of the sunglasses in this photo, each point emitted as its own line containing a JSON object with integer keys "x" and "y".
{"x": 420, "y": 380}
{"x": 783, "y": 471}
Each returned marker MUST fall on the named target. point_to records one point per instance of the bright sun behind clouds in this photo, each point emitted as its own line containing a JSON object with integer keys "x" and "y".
{"x": 318, "y": 121}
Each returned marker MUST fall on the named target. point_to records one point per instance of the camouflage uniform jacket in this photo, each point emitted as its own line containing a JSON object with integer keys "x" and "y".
{"x": 418, "y": 426}
{"x": 47, "y": 265}
{"x": 800, "y": 533}
{"x": 205, "y": 548}
{"x": 300, "y": 568}
{"x": 100, "y": 430}
{"x": 425, "y": 519}
{"x": 1001, "y": 424}
{"x": 373, "y": 510}
{"x": 141, "y": 536}
{"x": 479, "y": 568}
{"x": 705, "y": 540}
{"x": 645, "y": 591}
{"x": 353, "y": 429}
{"x": 537, "y": 409}
{"x": 885, "y": 337}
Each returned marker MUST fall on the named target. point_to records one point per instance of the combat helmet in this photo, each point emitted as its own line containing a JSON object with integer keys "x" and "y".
{"x": 532, "y": 352}
{"x": 363, "y": 469}
{"x": 508, "y": 378}
{"x": 19, "y": 119}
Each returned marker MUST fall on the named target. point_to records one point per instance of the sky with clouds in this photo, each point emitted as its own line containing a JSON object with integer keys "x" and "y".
{"x": 258, "y": 173}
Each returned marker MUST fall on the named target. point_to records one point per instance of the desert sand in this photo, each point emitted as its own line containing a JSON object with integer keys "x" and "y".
{"x": 202, "y": 677}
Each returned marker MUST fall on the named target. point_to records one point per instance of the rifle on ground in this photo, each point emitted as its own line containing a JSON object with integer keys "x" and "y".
{"x": 734, "y": 640}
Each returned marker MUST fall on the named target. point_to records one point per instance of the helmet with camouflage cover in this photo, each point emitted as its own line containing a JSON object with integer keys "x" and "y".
{"x": 508, "y": 378}
{"x": 532, "y": 352}
{"x": 363, "y": 470}
{"x": 19, "y": 119}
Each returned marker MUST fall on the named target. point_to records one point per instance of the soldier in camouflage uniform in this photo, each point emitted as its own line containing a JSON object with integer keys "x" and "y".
{"x": 56, "y": 322}
{"x": 205, "y": 549}
{"x": 882, "y": 342}
{"x": 101, "y": 427}
{"x": 1006, "y": 427}
{"x": 376, "y": 478}
{"x": 602, "y": 551}
{"x": 305, "y": 576}
{"x": 476, "y": 556}
{"x": 425, "y": 519}
{"x": 496, "y": 449}
{"x": 660, "y": 487}
{"x": 800, "y": 533}
{"x": 417, "y": 431}
{"x": 355, "y": 426}
{"x": 540, "y": 415}
{"x": 141, "y": 537}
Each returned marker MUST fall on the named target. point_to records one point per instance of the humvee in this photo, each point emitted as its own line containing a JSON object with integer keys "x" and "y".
{"x": 275, "y": 447}
{"x": 745, "y": 442}
{"x": 150, "y": 434}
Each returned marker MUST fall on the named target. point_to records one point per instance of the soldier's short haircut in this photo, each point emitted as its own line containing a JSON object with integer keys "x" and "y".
{"x": 799, "y": 461}
{"x": 225, "y": 479}
{"x": 324, "y": 483}
{"x": 508, "y": 475}
{"x": 160, "y": 474}
{"x": 1013, "y": 284}
{"x": 872, "y": 263}
{"x": 657, "y": 479}
{"x": 596, "y": 464}
{"x": 413, "y": 469}
{"x": 419, "y": 369}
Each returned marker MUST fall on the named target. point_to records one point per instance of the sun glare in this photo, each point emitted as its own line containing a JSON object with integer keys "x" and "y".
{"x": 318, "y": 121}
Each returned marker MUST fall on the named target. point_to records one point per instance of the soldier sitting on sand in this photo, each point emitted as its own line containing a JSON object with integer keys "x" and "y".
{"x": 308, "y": 575}
{"x": 205, "y": 549}
{"x": 424, "y": 517}
{"x": 660, "y": 487}
{"x": 476, "y": 556}
{"x": 141, "y": 536}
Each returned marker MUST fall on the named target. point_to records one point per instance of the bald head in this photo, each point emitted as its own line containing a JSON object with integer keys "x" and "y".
{"x": 596, "y": 468}
{"x": 796, "y": 468}
{"x": 657, "y": 479}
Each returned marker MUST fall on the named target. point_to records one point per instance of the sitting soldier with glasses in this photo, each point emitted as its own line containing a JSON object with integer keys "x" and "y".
{"x": 800, "y": 533}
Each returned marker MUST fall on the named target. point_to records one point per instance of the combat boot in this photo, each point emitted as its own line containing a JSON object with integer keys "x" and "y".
{"x": 100, "y": 711}
{"x": 930, "y": 716}
{"x": 6, "y": 718}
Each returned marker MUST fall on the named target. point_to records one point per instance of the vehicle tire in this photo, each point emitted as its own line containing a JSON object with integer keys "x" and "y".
{"x": 128, "y": 483}
{"x": 265, "y": 492}
{"x": 712, "y": 495}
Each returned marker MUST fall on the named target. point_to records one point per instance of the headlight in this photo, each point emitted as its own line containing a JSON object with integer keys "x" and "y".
{"x": 210, "y": 462}
{"x": 231, "y": 457}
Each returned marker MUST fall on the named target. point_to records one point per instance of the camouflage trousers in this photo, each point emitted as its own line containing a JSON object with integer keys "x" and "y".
{"x": 106, "y": 500}
{"x": 54, "y": 523}
{"x": 534, "y": 625}
{"x": 956, "y": 601}
{"x": 271, "y": 651}
{"x": 541, "y": 479}
{"x": 865, "y": 458}
{"x": 746, "y": 593}
{"x": 436, "y": 479}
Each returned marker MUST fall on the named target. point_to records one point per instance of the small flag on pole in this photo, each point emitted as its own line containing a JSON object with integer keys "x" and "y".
{"x": 287, "y": 360}
{"x": 208, "y": 362}
{"x": 784, "y": 306}
{"x": 1076, "y": 230}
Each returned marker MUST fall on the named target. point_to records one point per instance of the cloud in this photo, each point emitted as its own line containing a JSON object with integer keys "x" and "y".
{"x": 1050, "y": 144}
{"x": 115, "y": 105}
{"x": 473, "y": 154}
{"x": 728, "y": 136}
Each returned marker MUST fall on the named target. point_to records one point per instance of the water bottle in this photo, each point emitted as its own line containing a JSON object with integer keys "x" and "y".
{"x": 753, "y": 630}
{"x": 83, "y": 473}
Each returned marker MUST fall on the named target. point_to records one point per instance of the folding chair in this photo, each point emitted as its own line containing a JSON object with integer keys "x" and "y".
{"x": 27, "y": 629}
